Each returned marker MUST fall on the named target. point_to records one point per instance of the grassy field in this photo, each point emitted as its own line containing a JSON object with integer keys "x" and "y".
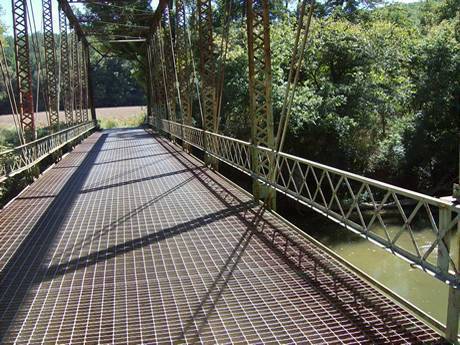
{"x": 108, "y": 117}
{"x": 121, "y": 114}
{"x": 121, "y": 117}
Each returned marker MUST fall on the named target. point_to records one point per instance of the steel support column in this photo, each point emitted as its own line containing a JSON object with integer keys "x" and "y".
{"x": 76, "y": 82}
{"x": 446, "y": 251}
{"x": 184, "y": 70}
{"x": 51, "y": 64}
{"x": 23, "y": 73}
{"x": 89, "y": 84}
{"x": 65, "y": 69}
{"x": 148, "y": 83}
{"x": 162, "y": 75}
{"x": 207, "y": 70}
{"x": 154, "y": 120}
{"x": 260, "y": 92}
{"x": 84, "y": 82}
{"x": 207, "y": 65}
{"x": 168, "y": 58}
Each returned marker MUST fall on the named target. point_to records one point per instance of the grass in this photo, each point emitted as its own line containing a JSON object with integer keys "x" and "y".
{"x": 135, "y": 121}
{"x": 8, "y": 138}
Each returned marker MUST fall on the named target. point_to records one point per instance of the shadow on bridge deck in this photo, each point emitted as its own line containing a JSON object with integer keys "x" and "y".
{"x": 129, "y": 239}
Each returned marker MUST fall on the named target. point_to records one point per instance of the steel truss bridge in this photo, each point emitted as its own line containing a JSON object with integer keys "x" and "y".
{"x": 130, "y": 238}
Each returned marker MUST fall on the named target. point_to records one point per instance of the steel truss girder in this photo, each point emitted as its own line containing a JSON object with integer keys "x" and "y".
{"x": 149, "y": 84}
{"x": 73, "y": 21}
{"x": 158, "y": 108}
{"x": 84, "y": 81}
{"x": 65, "y": 69}
{"x": 51, "y": 64}
{"x": 76, "y": 80}
{"x": 260, "y": 87}
{"x": 158, "y": 76}
{"x": 183, "y": 64}
{"x": 23, "y": 73}
{"x": 163, "y": 74}
{"x": 168, "y": 59}
{"x": 155, "y": 112}
{"x": 207, "y": 65}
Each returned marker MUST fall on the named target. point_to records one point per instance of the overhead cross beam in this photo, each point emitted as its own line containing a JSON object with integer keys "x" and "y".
{"x": 73, "y": 21}
{"x": 156, "y": 19}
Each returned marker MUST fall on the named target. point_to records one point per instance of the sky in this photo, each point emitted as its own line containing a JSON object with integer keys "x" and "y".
{"x": 6, "y": 16}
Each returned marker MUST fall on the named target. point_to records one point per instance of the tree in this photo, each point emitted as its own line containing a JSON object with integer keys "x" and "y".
{"x": 432, "y": 141}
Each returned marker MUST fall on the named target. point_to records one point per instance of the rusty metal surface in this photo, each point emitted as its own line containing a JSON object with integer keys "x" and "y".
{"x": 65, "y": 68}
{"x": 23, "y": 72}
{"x": 52, "y": 93}
{"x": 130, "y": 240}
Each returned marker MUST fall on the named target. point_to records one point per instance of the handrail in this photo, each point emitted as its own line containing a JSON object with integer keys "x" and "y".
{"x": 343, "y": 197}
{"x": 15, "y": 160}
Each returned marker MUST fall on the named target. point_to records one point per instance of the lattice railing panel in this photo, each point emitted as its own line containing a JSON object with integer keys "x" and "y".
{"x": 387, "y": 215}
{"x": 23, "y": 157}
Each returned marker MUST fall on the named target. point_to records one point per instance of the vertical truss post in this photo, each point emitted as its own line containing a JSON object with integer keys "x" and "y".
{"x": 153, "y": 112}
{"x": 65, "y": 68}
{"x": 207, "y": 73}
{"x": 184, "y": 69}
{"x": 51, "y": 64}
{"x": 168, "y": 59}
{"x": 207, "y": 64}
{"x": 159, "y": 82}
{"x": 165, "y": 110}
{"x": 260, "y": 93}
{"x": 148, "y": 82}
{"x": 89, "y": 84}
{"x": 156, "y": 81}
{"x": 170, "y": 35}
{"x": 445, "y": 253}
{"x": 84, "y": 82}
{"x": 23, "y": 73}
{"x": 76, "y": 85}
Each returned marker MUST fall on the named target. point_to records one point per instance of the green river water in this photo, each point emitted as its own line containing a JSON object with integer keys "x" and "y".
{"x": 414, "y": 285}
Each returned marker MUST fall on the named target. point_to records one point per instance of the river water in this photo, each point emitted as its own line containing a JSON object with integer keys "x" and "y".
{"x": 427, "y": 293}
{"x": 414, "y": 285}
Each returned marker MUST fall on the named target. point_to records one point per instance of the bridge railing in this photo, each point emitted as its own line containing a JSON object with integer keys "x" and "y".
{"x": 23, "y": 157}
{"x": 382, "y": 213}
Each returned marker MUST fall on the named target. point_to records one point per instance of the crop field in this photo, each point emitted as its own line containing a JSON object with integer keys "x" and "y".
{"x": 109, "y": 117}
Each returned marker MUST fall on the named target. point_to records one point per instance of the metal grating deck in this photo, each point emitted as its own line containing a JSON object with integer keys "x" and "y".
{"x": 130, "y": 240}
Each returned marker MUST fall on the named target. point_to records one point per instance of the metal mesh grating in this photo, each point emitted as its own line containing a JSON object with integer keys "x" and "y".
{"x": 130, "y": 240}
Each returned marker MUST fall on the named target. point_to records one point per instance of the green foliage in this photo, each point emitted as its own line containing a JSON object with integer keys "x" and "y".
{"x": 8, "y": 138}
{"x": 432, "y": 141}
{"x": 377, "y": 94}
{"x": 114, "y": 76}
